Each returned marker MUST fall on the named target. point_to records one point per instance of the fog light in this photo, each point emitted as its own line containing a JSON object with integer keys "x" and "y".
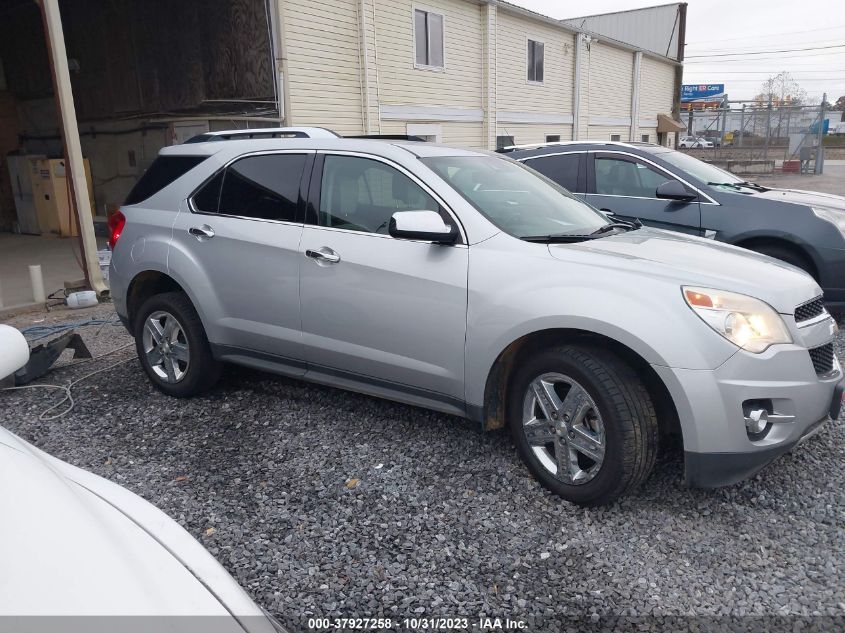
{"x": 756, "y": 421}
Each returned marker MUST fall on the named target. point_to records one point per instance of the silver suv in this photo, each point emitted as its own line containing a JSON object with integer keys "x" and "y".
{"x": 465, "y": 282}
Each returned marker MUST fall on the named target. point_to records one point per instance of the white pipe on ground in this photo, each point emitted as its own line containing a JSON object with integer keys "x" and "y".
{"x": 37, "y": 281}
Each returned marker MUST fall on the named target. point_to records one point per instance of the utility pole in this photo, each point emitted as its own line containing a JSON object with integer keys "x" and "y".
{"x": 74, "y": 165}
{"x": 819, "y": 166}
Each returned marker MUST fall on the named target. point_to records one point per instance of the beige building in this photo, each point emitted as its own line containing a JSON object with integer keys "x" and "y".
{"x": 479, "y": 73}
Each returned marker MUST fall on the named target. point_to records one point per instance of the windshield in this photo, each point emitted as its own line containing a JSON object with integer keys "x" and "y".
{"x": 705, "y": 172}
{"x": 515, "y": 198}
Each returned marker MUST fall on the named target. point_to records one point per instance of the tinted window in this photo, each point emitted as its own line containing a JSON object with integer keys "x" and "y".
{"x": 208, "y": 198}
{"x": 563, "y": 169}
{"x": 620, "y": 177}
{"x": 262, "y": 187}
{"x": 163, "y": 171}
{"x": 360, "y": 194}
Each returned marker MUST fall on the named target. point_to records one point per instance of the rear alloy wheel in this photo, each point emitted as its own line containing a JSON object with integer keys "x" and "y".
{"x": 583, "y": 423}
{"x": 166, "y": 346}
{"x": 172, "y": 346}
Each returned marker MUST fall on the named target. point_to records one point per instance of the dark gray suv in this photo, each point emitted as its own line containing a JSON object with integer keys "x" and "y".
{"x": 672, "y": 190}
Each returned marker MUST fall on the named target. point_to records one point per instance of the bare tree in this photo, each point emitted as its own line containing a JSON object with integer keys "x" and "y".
{"x": 782, "y": 89}
{"x": 781, "y": 92}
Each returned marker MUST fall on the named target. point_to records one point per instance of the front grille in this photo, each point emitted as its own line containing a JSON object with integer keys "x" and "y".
{"x": 809, "y": 310}
{"x": 822, "y": 358}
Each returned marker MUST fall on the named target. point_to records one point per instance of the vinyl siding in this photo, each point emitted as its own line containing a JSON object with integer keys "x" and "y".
{"x": 459, "y": 84}
{"x": 323, "y": 50}
{"x": 526, "y": 133}
{"x": 657, "y": 89}
{"x": 461, "y": 134}
{"x": 604, "y": 132}
{"x": 610, "y": 81}
{"x": 514, "y": 91}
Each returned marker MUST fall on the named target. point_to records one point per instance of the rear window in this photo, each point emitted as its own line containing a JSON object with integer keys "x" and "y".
{"x": 163, "y": 171}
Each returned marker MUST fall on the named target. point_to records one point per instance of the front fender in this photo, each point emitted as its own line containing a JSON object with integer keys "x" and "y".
{"x": 646, "y": 314}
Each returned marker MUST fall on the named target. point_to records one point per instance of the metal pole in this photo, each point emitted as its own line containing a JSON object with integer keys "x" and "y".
{"x": 819, "y": 166}
{"x": 741, "y": 124}
{"x": 725, "y": 106}
{"x": 73, "y": 148}
{"x": 689, "y": 124}
{"x": 768, "y": 129}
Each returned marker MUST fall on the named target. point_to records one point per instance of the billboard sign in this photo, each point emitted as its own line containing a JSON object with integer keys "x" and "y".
{"x": 702, "y": 95}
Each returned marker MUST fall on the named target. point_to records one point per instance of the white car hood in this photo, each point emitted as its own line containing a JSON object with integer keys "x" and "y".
{"x": 697, "y": 261}
{"x": 72, "y": 543}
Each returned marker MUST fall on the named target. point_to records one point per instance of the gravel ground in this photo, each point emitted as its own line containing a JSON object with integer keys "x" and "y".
{"x": 328, "y": 503}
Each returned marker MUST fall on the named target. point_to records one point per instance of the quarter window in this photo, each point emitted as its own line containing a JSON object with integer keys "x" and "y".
{"x": 622, "y": 177}
{"x": 428, "y": 39}
{"x": 360, "y": 194}
{"x": 535, "y": 61}
{"x": 261, "y": 187}
{"x": 561, "y": 168}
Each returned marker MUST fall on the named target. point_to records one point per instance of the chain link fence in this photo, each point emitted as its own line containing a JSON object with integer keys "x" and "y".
{"x": 752, "y": 137}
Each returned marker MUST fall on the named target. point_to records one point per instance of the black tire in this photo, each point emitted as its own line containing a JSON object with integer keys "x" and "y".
{"x": 626, "y": 409}
{"x": 788, "y": 255}
{"x": 203, "y": 371}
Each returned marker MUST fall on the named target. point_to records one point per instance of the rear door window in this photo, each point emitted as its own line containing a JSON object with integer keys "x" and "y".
{"x": 564, "y": 169}
{"x": 262, "y": 187}
{"x": 163, "y": 171}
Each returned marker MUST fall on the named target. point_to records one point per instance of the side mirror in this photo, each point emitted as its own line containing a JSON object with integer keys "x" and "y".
{"x": 427, "y": 226}
{"x": 673, "y": 190}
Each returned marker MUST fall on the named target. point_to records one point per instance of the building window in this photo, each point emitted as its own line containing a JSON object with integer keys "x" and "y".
{"x": 552, "y": 138}
{"x": 504, "y": 141}
{"x": 428, "y": 39}
{"x": 535, "y": 61}
{"x": 615, "y": 137}
{"x": 645, "y": 138}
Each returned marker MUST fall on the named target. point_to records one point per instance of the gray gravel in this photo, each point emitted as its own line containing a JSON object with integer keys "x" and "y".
{"x": 444, "y": 520}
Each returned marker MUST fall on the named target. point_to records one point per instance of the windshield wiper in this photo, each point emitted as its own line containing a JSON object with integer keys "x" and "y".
{"x": 753, "y": 185}
{"x": 618, "y": 224}
{"x": 739, "y": 185}
{"x": 580, "y": 237}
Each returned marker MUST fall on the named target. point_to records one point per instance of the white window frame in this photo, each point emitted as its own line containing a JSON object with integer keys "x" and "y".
{"x": 426, "y": 9}
{"x": 533, "y": 82}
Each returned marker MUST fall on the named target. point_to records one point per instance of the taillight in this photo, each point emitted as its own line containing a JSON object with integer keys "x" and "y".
{"x": 116, "y": 223}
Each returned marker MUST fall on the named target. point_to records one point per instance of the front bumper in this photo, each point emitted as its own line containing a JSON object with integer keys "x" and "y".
{"x": 718, "y": 449}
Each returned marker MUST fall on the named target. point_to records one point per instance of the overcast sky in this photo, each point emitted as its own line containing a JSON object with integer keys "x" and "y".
{"x": 730, "y": 26}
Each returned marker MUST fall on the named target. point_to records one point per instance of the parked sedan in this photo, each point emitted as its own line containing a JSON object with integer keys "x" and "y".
{"x": 694, "y": 142}
{"x": 74, "y": 544}
{"x": 673, "y": 190}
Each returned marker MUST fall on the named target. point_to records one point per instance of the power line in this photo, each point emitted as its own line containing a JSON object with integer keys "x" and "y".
{"x": 746, "y": 38}
{"x": 755, "y": 48}
{"x": 759, "y": 59}
{"x": 783, "y": 50}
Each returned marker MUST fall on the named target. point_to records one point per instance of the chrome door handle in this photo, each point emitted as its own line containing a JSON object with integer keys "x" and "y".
{"x": 323, "y": 255}
{"x": 201, "y": 232}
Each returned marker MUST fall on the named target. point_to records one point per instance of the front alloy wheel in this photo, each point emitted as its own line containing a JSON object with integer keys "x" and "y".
{"x": 166, "y": 346}
{"x": 582, "y": 421}
{"x": 564, "y": 428}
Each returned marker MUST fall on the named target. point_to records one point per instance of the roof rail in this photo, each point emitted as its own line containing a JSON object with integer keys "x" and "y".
{"x": 264, "y": 132}
{"x": 511, "y": 148}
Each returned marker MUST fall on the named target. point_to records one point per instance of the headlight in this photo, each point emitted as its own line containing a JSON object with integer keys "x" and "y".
{"x": 745, "y": 321}
{"x": 835, "y": 216}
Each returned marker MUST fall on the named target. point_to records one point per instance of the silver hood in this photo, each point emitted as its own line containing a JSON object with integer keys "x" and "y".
{"x": 74, "y": 544}
{"x": 696, "y": 261}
